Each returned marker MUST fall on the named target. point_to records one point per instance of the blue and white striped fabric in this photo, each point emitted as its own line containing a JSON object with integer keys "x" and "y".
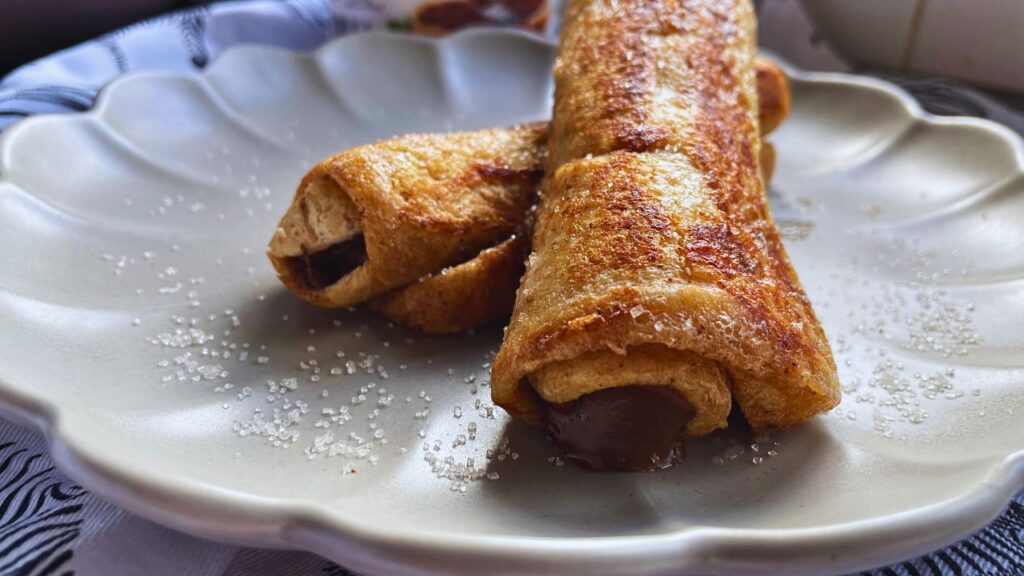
{"x": 49, "y": 525}
{"x": 69, "y": 80}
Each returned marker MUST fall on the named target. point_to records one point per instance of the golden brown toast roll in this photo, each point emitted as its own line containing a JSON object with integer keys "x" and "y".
{"x": 384, "y": 215}
{"x": 319, "y": 237}
{"x": 476, "y": 293}
{"x": 653, "y": 233}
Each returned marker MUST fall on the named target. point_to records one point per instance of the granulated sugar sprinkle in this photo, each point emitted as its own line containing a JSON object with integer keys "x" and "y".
{"x": 331, "y": 395}
{"x": 898, "y": 357}
{"x": 282, "y": 413}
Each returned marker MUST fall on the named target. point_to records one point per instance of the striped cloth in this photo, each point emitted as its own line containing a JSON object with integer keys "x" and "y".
{"x": 50, "y": 525}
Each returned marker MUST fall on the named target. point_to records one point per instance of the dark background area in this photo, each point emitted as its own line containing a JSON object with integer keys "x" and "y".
{"x": 30, "y": 29}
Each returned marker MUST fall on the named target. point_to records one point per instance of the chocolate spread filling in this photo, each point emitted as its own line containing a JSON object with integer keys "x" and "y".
{"x": 325, "y": 267}
{"x": 627, "y": 428}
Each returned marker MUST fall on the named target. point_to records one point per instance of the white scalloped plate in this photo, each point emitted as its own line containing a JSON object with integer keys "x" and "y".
{"x": 905, "y": 228}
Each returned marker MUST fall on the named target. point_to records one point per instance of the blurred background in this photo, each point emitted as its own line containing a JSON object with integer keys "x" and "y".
{"x": 974, "y": 41}
{"x": 955, "y": 56}
{"x": 30, "y": 29}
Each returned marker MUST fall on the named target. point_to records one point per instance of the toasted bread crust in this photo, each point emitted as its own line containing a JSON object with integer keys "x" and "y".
{"x": 421, "y": 202}
{"x": 412, "y": 173}
{"x": 654, "y": 225}
{"x": 461, "y": 297}
{"x": 485, "y": 290}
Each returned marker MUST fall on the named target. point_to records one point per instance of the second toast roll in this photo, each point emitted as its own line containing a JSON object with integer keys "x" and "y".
{"x": 654, "y": 251}
{"x": 384, "y": 215}
{"x": 482, "y": 290}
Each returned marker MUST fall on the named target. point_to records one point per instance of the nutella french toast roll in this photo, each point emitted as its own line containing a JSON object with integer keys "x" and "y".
{"x": 319, "y": 239}
{"x": 384, "y": 215}
{"x": 657, "y": 289}
{"x": 482, "y": 290}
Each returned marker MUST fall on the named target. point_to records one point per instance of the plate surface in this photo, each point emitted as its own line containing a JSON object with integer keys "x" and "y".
{"x": 145, "y": 333}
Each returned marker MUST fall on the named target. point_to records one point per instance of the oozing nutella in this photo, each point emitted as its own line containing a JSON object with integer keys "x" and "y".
{"x": 624, "y": 428}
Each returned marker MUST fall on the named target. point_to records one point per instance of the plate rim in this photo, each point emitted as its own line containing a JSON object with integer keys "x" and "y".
{"x": 216, "y": 513}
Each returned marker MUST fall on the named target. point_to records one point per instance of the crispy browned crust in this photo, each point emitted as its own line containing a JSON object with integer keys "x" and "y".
{"x": 465, "y": 296}
{"x": 415, "y": 168}
{"x": 476, "y": 293}
{"x": 421, "y": 202}
{"x": 629, "y": 74}
{"x": 654, "y": 228}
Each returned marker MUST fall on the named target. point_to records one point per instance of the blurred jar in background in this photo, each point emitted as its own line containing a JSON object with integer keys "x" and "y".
{"x": 978, "y": 41}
